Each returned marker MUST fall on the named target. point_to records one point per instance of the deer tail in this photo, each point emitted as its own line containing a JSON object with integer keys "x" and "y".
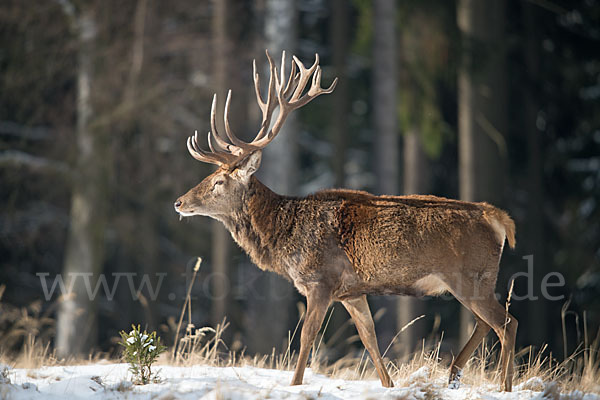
{"x": 506, "y": 221}
{"x": 509, "y": 225}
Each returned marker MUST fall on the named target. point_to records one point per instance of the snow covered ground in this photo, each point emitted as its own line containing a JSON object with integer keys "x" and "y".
{"x": 111, "y": 381}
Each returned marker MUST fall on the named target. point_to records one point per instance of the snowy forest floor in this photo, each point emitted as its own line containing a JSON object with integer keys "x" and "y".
{"x": 105, "y": 380}
{"x": 202, "y": 370}
{"x": 201, "y": 367}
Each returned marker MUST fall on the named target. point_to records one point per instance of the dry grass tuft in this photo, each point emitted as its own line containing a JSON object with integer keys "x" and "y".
{"x": 25, "y": 334}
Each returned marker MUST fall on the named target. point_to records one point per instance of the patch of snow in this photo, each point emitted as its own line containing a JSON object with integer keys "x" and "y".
{"x": 536, "y": 384}
{"x": 420, "y": 375}
{"x": 112, "y": 381}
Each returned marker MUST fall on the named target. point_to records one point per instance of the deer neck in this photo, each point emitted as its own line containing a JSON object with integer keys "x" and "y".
{"x": 258, "y": 226}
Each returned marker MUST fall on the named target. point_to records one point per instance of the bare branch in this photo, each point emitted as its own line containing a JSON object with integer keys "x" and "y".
{"x": 11, "y": 128}
{"x": 19, "y": 159}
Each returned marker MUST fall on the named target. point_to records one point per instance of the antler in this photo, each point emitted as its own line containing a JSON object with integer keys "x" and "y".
{"x": 288, "y": 97}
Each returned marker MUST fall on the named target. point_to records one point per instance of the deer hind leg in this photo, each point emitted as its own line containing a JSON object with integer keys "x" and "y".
{"x": 488, "y": 310}
{"x": 481, "y": 329}
{"x": 505, "y": 327}
{"x": 359, "y": 311}
{"x": 317, "y": 304}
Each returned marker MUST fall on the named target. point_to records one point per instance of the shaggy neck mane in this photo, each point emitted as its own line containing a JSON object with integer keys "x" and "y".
{"x": 259, "y": 227}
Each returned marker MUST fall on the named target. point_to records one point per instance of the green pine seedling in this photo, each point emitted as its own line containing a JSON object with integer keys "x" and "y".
{"x": 141, "y": 351}
{"x": 4, "y": 374}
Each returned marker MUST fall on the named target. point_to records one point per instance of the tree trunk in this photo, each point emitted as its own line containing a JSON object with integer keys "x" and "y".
{"x": 148, "y": 240}
{"x": 77, "y": 319}
{"x": 280, "y": 157}
{"x": 416, "y": 181}
{"x": 227, "y": 33}
{"x": 271, "y": 311}
{"x": 339, "y": 39}
{"x": 385, "y": 126}
{"x": 481, "y": 109}
{"x": 535, "y": 214}
{"x": 340, "y": 15}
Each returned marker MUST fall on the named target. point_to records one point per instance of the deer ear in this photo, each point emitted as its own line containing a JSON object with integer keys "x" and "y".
{"x": 248, "y": 166}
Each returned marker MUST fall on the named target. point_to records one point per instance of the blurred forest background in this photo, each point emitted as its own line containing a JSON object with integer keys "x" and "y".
{"x": 483, "y": 100}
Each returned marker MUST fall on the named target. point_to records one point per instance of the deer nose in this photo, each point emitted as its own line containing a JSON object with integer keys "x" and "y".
{"x": 178, "y": 204}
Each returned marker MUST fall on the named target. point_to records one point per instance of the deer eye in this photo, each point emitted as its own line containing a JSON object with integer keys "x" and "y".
{"x": 217, "y": 183}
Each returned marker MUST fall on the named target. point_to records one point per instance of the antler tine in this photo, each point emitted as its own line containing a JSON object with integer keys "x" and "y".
{"x": 216, "y": 157}
{"x": 260, "y": 101}
{"x": 282, "y": 78}
{"x": 220, "y": 142}
{"x": 200, "y": 154}
{"x": 195, "y": 144}
{"x": 213, "y": 117}
{"x": 316, "y": 88}
{"x": 239, "y": 145}
{"x": 331, "y": 87}
{"x": 269, "y": 107}
{"x": 273, "y": 79}
{"x": 210, "y": 144}
{"x": 213, "y": 127}
{"x": 292, "y": 81}
{"x": 197, "y": 148}
{"x": 304, "y": 76}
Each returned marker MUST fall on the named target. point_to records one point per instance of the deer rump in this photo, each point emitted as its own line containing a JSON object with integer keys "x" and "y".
{"x": 406, "y": 245}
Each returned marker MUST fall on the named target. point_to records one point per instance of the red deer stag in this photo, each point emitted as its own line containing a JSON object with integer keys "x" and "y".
{"x": 340, "y": 245}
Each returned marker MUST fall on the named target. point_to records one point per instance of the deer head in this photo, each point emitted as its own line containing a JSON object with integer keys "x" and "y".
{"x": 221, "y": 193}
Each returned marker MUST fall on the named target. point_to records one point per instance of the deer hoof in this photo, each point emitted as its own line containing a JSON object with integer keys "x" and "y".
{"x": 296, "y": 382}
{"x": 389, "y": 384}
{"x": 454, "y": 381}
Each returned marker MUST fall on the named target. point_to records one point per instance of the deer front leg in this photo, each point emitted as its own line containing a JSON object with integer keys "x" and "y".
{"x": 360, "y": 313}
{"x": 317, "y": 304}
